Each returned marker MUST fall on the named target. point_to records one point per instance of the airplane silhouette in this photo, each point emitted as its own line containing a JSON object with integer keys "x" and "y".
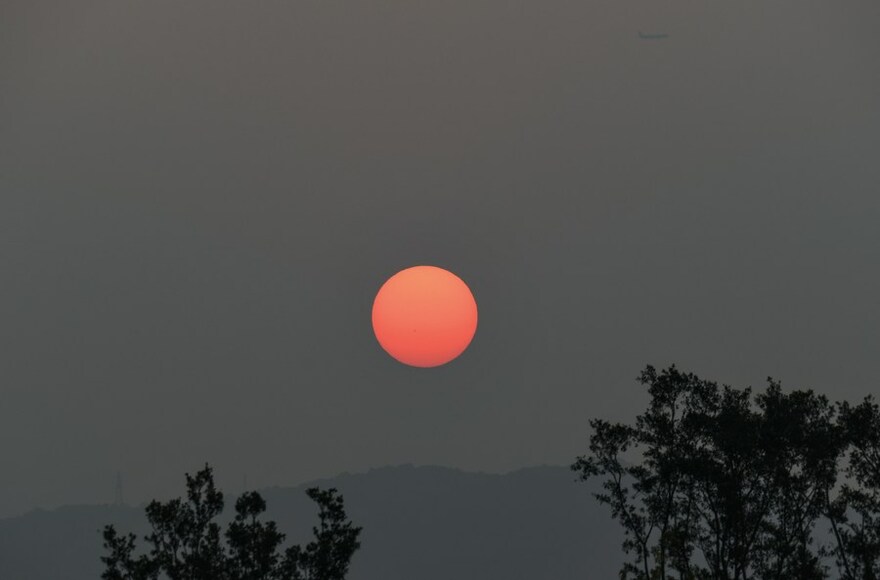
{"x": 644, "y": 36}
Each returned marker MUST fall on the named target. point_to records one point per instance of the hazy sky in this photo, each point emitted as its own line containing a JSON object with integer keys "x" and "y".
{"x": 200, "y": 198}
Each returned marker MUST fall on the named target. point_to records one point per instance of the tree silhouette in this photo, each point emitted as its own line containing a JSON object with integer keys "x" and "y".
{"x": 253, "y": 544}
{"x": 328, "y": 556}
{"x": 187, "y": 544}
{"x": 713, "y": 482}
{"x": 855, "y": 512}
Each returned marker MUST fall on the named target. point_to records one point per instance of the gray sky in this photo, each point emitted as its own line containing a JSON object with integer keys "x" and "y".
{"x": 200, "y": 198}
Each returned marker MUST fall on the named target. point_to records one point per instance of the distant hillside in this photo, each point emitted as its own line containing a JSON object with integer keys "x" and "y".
{"x": 420, "y": 523}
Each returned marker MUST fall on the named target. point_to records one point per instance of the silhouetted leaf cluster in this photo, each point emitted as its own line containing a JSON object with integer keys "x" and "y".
{"x": 855, "y": 512}
{"x": 186, "y": 543}
{"x": 714, "y": 482}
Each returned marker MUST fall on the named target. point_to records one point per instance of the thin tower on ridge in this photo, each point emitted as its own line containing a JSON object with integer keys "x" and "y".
{"x": 117, "y": 499}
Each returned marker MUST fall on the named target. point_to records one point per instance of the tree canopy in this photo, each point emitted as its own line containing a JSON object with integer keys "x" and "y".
{"x": 715, "y": 482}
{"x": 186, "y": 543}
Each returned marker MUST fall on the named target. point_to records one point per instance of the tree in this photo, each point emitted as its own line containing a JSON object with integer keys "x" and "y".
{"x": 186, "y": 543}
{"x": 855, "y": 512}
{"x": 253, "y": 544}
{"x": 121, "y": 563}
{"x": 328, "y": 556}
{"x": 713, "y": 482}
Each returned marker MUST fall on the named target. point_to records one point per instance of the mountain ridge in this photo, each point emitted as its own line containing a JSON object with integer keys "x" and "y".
{"x": 426, "y": 522}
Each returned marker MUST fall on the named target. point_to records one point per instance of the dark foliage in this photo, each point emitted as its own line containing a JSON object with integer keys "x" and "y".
{"x": 713, "y": 482}
{"x": 187, "y": 543}
{"x": 855, "y": 512}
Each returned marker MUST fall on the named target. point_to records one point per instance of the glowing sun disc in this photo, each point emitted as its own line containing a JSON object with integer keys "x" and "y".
{"x": 424, "y": 316}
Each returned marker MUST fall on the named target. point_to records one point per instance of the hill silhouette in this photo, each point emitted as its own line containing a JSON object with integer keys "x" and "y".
{"x": 429, "y": 523}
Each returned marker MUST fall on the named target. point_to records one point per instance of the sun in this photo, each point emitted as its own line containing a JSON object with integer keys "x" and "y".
{"x": 424, "y": 316}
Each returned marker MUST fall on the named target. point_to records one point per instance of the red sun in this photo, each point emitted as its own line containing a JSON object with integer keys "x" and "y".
{"x": 424, "y": 316}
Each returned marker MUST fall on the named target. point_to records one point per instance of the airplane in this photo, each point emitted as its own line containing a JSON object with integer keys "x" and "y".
{"x": 644, "y": 36}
